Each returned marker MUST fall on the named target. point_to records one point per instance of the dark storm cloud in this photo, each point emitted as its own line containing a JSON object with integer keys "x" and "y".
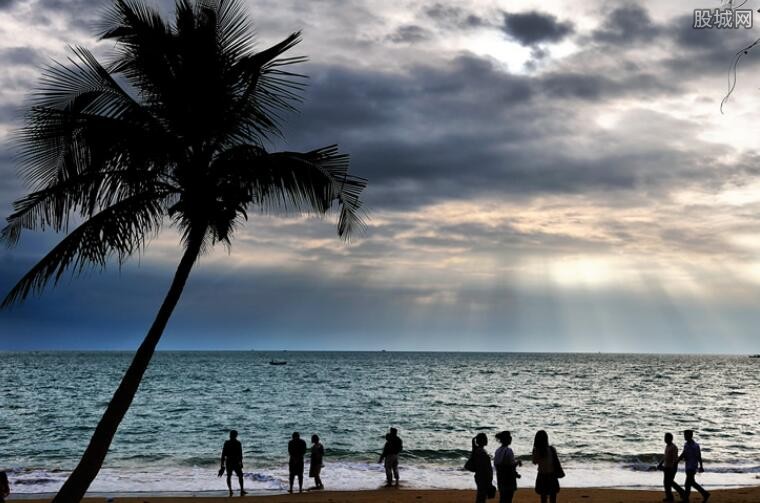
{"x": 5, "y": 4}
{"x": 627, "y": 24}
{"x": 530, "y": 28}
{"x": 597, "y": 86}
{"x": 449, "y": 16}
{"x": 435, "y": 132}
{"x": 707, "y": 52}
{"x": 409, "y": 34}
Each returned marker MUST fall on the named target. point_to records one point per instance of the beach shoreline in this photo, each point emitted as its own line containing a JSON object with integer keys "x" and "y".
{"x": 567, "y": 495}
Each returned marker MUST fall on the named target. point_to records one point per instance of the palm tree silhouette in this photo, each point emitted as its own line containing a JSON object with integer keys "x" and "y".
{"x": 172, "y": 130}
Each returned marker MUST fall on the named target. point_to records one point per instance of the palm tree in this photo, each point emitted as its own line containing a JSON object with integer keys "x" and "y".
{"x": 172, "y": 130}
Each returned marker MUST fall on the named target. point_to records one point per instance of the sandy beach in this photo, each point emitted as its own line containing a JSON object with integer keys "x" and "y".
{"x": 569, "y": 495}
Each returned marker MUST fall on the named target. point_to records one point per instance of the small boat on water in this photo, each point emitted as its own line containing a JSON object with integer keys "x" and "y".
{"x": 277, "y": 362}
{"x": 754, "y": 356}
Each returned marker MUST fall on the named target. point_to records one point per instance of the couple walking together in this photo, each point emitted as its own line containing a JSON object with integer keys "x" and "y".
{"x": 692, "y": 455}
{"x": 544, "y": 456}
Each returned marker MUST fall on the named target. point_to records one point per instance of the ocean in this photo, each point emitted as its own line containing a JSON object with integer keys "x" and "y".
{"x": 605, "y": 414}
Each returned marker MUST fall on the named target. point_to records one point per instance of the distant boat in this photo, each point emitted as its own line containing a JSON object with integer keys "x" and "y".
{"x": 277, "y": 362}
{"x": 754, "y": 356}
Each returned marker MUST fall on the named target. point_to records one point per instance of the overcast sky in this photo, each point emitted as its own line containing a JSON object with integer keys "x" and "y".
{"x": 543, "y": 176}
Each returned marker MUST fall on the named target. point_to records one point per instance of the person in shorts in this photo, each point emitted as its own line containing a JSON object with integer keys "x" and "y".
{"x": 232, "y": 461}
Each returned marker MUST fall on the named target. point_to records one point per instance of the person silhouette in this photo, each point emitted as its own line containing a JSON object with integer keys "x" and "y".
{"x": 316, "y": 464}
{"x": 545, "y": 456}
{"x": 669, "y": 467}
{"x": 505, "y": 465}
{"x": 232, "y": 461}
{"x": 296, "y": 450}
{"x": 5, "y": 487}
{"x": 392, "y": 448}
{"x": 692, "y": 455}
{"x": 480, "y": 463}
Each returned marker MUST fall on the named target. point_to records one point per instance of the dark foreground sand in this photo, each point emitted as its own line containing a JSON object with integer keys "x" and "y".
{"x": 569, "y": 495}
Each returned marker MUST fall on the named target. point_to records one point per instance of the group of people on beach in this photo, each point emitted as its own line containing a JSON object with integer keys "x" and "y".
{"x": 232, "y": 461}
{"x": 505, "y": 464}
{"x": 550, "y": 469}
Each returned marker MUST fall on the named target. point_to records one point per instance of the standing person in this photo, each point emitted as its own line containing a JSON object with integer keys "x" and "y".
{"x": 316, "y": 464}
{"x": 5, "y": 487}
{"x": 545, "y": 456}
{"x": 232, "y": 460}
{"x": 506, "y": 468}
{"x": 669, "y": 467}
{"x": 480, "y": 463}
{"x": 692, "y": 454}
{"x": 393, "y": 447}
{"x": 296, "y": 450}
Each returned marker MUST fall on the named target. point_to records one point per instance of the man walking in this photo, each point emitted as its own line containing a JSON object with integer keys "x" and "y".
{"x": 669, "y": 467}
{"x": 232, "y": 460}
{"x": 393, "y": 447}
{"x": 693, "y": 456}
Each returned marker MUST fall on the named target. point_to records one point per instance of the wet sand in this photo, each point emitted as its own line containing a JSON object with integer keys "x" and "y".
{"x": 568, "y": 495}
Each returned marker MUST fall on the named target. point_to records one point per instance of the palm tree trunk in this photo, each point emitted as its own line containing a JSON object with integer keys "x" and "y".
{"x": 79, "y": 481}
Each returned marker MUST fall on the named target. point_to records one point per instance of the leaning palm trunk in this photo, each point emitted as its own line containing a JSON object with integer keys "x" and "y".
{"x": 80, "y": 479}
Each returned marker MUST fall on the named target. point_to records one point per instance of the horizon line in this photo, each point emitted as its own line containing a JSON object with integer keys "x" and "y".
{"x": 643, "y": 353}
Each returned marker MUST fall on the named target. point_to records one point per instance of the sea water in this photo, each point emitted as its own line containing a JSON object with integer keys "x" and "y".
{"x": 605, "y": 414}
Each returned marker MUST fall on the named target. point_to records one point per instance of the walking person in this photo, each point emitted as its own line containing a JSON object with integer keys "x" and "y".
{"x": 506, "y": 468}
{"x": 392, "y": 448}
{"x": 692, "y": 455}
{"x": 480, "y": 463}
{"x": 5, "y": 487}
{"x": 316, "y": 463}
{"x": 669, "y": 467}
{"x": 232, "y": 461}
{"x": 296, "y": 450}
{"x": 549, "y": 468}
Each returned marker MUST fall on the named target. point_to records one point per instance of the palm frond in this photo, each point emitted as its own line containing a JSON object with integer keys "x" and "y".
{"x": 145, "y": 45}
{"x": 302, "y": 182}
{"x": 121, "y": 230}
{"x": 81, "y": 118}
{"x": 266, "y": 91}
{"x": 235, "y": 33}
{"x": 87, "y": 192}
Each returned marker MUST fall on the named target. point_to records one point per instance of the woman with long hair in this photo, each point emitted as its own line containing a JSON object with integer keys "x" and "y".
{"x": 317, "y": 457}
{"x": 480, "y": 463}
{"x": 545, "y": 457}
